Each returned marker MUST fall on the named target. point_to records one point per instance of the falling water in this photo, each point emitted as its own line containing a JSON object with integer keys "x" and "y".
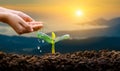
{"x": 38, "y": 47}
{"x": 43, "y": 41}
{"x": 39, "y": 41}
{"x": 40, "y": 51}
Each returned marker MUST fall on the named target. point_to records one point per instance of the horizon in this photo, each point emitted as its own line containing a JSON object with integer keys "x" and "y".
{"x": 56, "y": 15}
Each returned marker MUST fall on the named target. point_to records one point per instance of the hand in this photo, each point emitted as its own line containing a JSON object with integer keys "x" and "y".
{"x": 19, "y": 21}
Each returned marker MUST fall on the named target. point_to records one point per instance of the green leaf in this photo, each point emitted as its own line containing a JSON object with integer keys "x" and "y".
{"x": 53, "y": 36}
{"x": 67, "y": 36}
{"x": 45, "y": 37}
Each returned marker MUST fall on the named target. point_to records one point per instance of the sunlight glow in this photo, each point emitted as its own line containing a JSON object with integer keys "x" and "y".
{"x": 79, "y": 13}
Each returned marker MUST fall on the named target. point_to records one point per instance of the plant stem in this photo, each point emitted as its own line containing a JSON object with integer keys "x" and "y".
{"x": 53, "y": 47}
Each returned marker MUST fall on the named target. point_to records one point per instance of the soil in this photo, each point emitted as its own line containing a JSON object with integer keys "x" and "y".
{"x": 102, "y": 60}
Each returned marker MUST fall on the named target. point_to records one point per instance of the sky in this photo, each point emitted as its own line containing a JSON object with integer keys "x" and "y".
{"x": 57, "y": 14}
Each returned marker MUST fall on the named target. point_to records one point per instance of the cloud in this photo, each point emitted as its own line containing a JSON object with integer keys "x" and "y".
{"x": 57, "y": 14}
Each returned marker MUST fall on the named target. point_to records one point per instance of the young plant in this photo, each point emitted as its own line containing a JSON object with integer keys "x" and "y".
{"x": 53, "y": 39}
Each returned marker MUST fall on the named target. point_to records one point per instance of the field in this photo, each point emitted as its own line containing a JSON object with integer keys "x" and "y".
{"x": 102, "y": 60}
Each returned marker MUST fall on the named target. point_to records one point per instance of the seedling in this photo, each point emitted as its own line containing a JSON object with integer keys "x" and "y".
{"x": 53, "y": 39}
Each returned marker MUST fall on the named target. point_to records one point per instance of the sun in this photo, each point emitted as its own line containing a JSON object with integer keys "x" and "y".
{"x": 79, "y": 13}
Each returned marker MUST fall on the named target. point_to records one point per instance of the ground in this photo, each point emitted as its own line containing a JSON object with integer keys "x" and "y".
{"x": 102, "y": 60}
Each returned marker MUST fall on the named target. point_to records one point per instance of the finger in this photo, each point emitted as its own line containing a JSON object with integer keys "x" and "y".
{"x": 21, "y": 30}
{"x": 24, "y": 30}
{"x": 36, "y": 25}
{"x": 28, "y": 19}
{"x": 26, "y": 25}
{"x": 25, "y": 17}
{"x": 17, "y": 27}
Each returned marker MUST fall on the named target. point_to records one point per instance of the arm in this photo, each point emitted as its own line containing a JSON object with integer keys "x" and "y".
{"x": 20, "y": 22}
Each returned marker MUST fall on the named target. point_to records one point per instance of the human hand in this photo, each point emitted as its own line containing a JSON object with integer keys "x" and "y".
{"x": 19, "y": 21}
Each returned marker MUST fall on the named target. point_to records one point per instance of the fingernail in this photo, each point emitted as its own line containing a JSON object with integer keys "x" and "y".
{"x": 31, "y": 29}
{"x": 41, "y": 24}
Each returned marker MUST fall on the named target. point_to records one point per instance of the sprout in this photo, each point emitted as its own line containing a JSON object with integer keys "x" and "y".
{"x": 53, "y": 39}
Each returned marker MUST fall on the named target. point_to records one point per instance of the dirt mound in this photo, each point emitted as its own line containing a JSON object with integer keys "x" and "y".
{"x": 102, "y": 60}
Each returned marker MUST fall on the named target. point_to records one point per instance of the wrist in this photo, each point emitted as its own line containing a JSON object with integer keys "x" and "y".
{"x": 3, "y": 16}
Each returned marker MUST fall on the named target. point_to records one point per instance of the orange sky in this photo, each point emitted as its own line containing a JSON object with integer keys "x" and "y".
{"x": 59, "y": 14}
{"x": 91, "y": 8}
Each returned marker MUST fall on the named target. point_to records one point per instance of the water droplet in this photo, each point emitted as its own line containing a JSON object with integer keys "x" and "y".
{"x": 38, "y": 48}
{"x": 43, "y": 41}
{"x": 40, "y": 51}
{"x": 38, "y": 40}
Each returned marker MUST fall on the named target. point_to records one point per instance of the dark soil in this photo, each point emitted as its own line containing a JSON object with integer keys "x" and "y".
{"x": 102, "y": 60}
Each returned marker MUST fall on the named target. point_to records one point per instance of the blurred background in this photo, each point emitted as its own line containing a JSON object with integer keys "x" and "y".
{"x": 92, "y": 25}
{"x": 64, "y": 15}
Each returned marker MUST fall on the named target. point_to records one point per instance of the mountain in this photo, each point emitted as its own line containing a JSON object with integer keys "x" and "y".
{"x": 94, "y": 39}
{"x": 99, "y": 21}
{"x": 28, "y": 45}
{"x": 113, "y": 29}
{"x": 17, "y": 43}
{"x": 114, "y": 21}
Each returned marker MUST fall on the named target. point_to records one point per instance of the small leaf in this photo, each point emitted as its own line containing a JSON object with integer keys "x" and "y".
{"x": 67, "y": 36}
{"x": 53, "y": 36}
{"x": 44, "y": 37}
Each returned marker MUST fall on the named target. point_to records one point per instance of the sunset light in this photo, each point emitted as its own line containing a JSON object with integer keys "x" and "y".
{"x": 79, "y": 13}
